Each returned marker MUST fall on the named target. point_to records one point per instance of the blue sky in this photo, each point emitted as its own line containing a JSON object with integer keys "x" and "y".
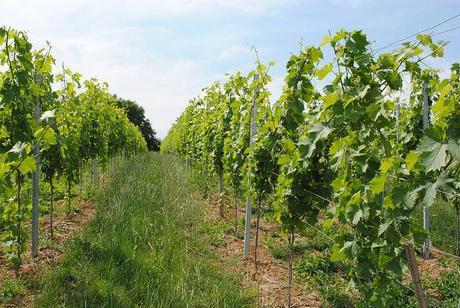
{"x": 162, "y": 53}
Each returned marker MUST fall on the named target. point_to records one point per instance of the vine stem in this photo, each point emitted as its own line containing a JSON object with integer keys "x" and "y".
{"x": 68, "y": 199}
{"x": 221, "y": 194}
{"x": 80, "y": 173}
{"x": 19, "y": 219}
{"x": 51, "y": 206}
{"x": 235, "y": 199}
{"x": 256, "y": 242}
{"x": 457, "y": 232}
{"x": 291, "y": 257}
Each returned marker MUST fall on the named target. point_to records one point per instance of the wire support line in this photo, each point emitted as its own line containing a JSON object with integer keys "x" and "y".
{"x": 332, "y": 240}
{"x": 437, "y": 189}
{"x": 439, "y": 251}
{"x": 414, "y": 41}
{"x": 320, "y": 232}
{"x": 446, "y": 31}
{"x": 319, "y": 196}
{"x": 417, "y": 33}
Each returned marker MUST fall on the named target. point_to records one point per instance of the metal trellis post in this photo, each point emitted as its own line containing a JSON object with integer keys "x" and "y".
{"x": 426, "y": 209}
{"x": 247, "y": 224}
{"x": 36, "y": 181}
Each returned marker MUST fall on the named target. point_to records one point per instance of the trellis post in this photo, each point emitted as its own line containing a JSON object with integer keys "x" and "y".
{"x": 36, "y": 179}
{"x": 426, "y": 209}
{"x": 247, "y": 223}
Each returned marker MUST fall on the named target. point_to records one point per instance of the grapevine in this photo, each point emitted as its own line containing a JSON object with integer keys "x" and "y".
{"x": 354, "y": 151}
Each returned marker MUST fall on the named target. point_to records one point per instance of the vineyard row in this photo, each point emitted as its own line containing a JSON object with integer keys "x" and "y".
{"x": 357, "y": 143}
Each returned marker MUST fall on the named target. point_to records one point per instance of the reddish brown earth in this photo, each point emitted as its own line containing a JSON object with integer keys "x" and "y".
{"x": 65, "y": 227}
{"x": 270, "y": 282}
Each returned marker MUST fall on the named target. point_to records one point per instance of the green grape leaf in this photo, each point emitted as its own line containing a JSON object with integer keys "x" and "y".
{"x": 386, "y": 165}
{"x": 434, "y": 159}
{"x": 377, "y": 184}
{"x": 324, "y": 71}
{"x": 49, "y": 138}
{"x": 432, "y": 150}
{"x": 326, "y": 40}
{"x": 328, "y": 223}
{"x": 340, "y": 35}
{"x": 357, "y": 216}
{"x": 383, "y": 227}
{"x": 27, "y": 166}
{"x": 418, "y": 231}
{"x": 284, "y": 159}
{"x": 337, "y": 253}
{"x": 431, "y": 188}
{"x": 453, "y": 147}
{"x": 4, "y": 168}
{"x": 330, "y": 99}
{"x": 425, "y": 39}
{"x": 388, "y": 202}
{"x": 411, "y": 160}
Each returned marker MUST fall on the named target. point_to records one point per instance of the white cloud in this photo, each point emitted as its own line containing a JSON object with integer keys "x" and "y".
{"x": 56, "y": 9}
{"x": 102, "y": 39}
{"x": 234, "y": 51}
{"x": 113, "y": 41}
{"x": 160, "y": 83}
{"x": 351, "y": 3}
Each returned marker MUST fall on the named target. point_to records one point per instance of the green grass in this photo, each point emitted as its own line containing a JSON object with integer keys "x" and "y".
{"x": 315, "y": 270}
{"x": 143, "y": 248}
{"x": 443, "y": 224}
{"x": 215, "y": 232}
{"x": 11, "y": 288}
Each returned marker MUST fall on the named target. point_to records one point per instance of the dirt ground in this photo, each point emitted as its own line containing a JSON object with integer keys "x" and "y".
{"x": 50, "y": 251}
{"x": 271, "y": 280}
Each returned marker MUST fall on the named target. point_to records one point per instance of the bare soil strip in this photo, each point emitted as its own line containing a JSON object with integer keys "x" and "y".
{"x": 270, "y": 282}
{"x": 50, "y": 253}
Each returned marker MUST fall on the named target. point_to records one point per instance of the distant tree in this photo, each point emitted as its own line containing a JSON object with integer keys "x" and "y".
{"x": 136, "y": 115}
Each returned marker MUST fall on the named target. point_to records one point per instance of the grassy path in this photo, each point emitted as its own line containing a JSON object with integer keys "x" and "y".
{"x": 144, "y": 248}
